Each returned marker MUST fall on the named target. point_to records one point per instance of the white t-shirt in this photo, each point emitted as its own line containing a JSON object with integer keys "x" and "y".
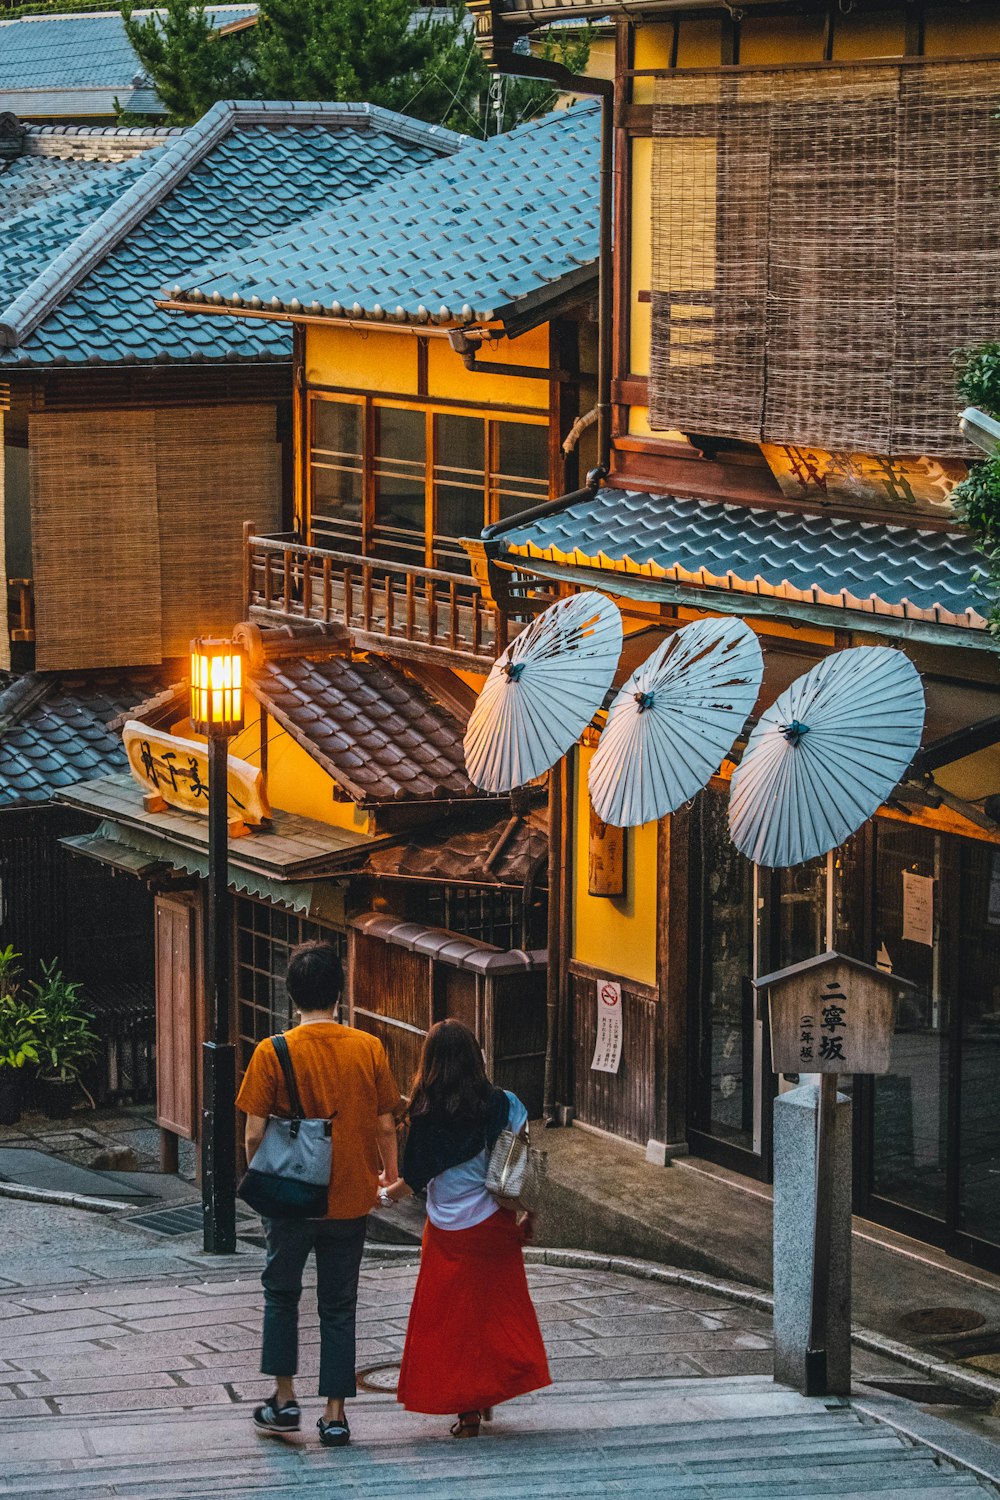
{"x": 457, "y": 1198}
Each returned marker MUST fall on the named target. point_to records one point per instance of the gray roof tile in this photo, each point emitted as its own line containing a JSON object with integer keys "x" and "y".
{"x": 240, "y": 171}
{"x": 836, "y": 560}
{"x": 51, "y": 63}
{"x": 380, "y": 734}
{"x": 61, "y": 736}
{"x": 485, "y": 233}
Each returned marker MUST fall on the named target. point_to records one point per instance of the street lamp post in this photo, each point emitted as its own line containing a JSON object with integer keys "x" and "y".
{"x": 217, "y": 713}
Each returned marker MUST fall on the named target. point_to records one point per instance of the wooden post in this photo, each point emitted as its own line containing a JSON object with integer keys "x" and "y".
{"x": 248, "y": 531}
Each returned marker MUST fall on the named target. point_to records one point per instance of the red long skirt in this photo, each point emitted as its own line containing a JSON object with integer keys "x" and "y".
{"x": 473, "y": 1338}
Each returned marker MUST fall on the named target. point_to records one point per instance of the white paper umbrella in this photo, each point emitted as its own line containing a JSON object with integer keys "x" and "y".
{"x": 543, "y": 692}
{"x": 825, "y": 755}
{"x": 673, "y": 721}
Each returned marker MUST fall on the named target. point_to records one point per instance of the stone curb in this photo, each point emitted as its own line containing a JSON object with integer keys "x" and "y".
{"x": 62, "y": 1200}
{"x": 947, "y": 1372}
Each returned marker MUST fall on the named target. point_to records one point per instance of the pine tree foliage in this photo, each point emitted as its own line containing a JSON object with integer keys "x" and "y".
{"x": 191, "y": 65}
{"x": 396, "y": 53}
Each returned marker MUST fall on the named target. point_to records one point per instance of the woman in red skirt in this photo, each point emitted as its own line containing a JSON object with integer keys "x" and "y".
{"x": 473, "y": 1338}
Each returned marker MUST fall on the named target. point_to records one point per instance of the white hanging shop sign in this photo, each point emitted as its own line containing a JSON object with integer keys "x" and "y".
{"x": 608, "y": 1048}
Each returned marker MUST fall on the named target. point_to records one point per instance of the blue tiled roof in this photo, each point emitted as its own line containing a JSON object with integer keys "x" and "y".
{"x": 836, "y": 560}
{"x": 34, "y": 237}
{"x": 77, "y": 56}
{"x": 241, "y": 171}
{"x": 28, "y": 179}
{"x": 486, "y": 234}
{"x": 55, "y": 158}
{"x": 54, "y": 730}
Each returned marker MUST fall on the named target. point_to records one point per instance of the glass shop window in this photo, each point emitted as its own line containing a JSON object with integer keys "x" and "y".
{"x": 520, "y": 469}
{"x": 337, "y": 473}
{"x": 400, "y": 484}
{"x": 459, "y": 480}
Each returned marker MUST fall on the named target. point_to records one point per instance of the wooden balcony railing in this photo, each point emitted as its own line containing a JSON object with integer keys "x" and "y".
{"x": 417, "y": 611}
{"x": 21, "y": 609}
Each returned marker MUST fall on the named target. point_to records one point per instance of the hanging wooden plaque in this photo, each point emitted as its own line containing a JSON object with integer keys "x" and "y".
{"x": 607, "y": 858}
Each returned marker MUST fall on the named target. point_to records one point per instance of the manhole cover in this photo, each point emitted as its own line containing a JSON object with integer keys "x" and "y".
{"x": 925, "y": 1321}
{"x": 381, "y": 1379}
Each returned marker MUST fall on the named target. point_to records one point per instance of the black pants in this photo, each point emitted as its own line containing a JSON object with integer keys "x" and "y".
{"x": 338, "y": 1244}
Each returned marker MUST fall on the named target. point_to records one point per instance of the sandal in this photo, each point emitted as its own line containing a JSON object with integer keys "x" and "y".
{"x": 467, "y": 1425}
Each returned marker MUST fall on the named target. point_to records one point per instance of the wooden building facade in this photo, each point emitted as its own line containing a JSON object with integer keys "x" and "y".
{"x": 783, "y": 442}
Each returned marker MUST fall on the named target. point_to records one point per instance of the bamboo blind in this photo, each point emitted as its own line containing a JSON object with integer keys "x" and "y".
{"x": 138, "y": 527}
{"x": 822, "y": 241}
{"x": 216, "y": 467}
{"x": 95, "y": 539}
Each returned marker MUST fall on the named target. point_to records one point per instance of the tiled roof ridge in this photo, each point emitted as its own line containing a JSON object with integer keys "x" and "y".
{"x": 131, "y": 132}
{"x": 21, "y": 695}
{"x": 68, "y": 269}
{"x": 107, "y": 15}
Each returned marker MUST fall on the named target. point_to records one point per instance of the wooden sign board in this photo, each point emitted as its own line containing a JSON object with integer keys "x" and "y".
{"x": 832, "y": 1014}
{"x": 176, "y": 770}
{"x": 606, "y": 870}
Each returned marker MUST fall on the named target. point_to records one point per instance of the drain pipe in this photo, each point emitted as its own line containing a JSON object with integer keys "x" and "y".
{"x": 505, "y": 60}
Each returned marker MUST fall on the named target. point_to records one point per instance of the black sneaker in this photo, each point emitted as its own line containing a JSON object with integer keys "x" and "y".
{"x": 334, "y": 1434}
{"x": 270, "y": 1417}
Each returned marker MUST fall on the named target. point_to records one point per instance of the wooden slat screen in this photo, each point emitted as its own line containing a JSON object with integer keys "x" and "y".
{"x": 95, "y": 541}
{"x": 216, "y": 467}
{"x": 624, "y": 1102}
{"x": 822, "y": 241}
{"x": 137, "y": 527}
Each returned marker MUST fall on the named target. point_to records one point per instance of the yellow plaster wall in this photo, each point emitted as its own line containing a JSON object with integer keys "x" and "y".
{"x": 295, "y": 783}
{"x": 447, "y": 376}
{"x": 376, "y": 361}
{"x": 614, "y": 933}
{"x": 971, "y": 28}
{"x": 362, "y": 360}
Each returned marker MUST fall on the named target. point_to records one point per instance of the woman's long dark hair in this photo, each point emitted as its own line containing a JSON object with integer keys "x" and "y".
{"x": 451, "y": 1081}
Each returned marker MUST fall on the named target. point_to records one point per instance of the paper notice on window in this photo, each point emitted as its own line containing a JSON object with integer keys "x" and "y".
{"x": 993, "y": 910}
{"x": 608, "y": 1050}
{"x": 918, "y": 908}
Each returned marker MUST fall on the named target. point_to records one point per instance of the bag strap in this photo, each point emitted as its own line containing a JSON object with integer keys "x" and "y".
{"x": 280, "y": 1046}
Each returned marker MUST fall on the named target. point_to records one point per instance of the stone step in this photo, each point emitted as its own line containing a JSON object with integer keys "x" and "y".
{"x": 435, "y": 1469}
{"x": 697, "y": 1439}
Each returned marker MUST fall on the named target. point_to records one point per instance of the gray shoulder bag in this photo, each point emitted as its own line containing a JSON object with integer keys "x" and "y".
{"x": 514, "y": 1172}
{"x": 289, "y": 1177}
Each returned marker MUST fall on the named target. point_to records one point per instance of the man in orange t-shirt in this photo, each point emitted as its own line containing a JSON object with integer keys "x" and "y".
{"x": 343, "y": 1076}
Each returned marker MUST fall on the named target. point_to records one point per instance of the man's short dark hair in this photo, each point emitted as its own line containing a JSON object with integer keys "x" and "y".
{"x": 315, "y": 977}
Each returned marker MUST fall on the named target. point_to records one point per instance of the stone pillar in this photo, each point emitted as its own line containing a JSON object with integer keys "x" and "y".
{"x": 795, "y": 1116}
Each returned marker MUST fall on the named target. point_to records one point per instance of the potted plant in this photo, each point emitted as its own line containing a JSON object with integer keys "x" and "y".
{"x": 65, "y": 1040}
{"x": 19, "y": 1021}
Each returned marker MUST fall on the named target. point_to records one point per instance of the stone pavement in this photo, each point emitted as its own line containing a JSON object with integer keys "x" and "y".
{"x": 127, "y": 1369}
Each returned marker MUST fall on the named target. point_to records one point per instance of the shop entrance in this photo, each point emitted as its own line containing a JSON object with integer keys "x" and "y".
{"x": 925, "y": 905}
{"x": 929, "y": 1132}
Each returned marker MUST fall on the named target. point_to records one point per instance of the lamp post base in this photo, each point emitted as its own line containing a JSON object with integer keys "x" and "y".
{"x": 218, "y": 1148}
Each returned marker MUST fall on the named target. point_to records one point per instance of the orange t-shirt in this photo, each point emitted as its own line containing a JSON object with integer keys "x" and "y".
{"x": 343, "y": 1075}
